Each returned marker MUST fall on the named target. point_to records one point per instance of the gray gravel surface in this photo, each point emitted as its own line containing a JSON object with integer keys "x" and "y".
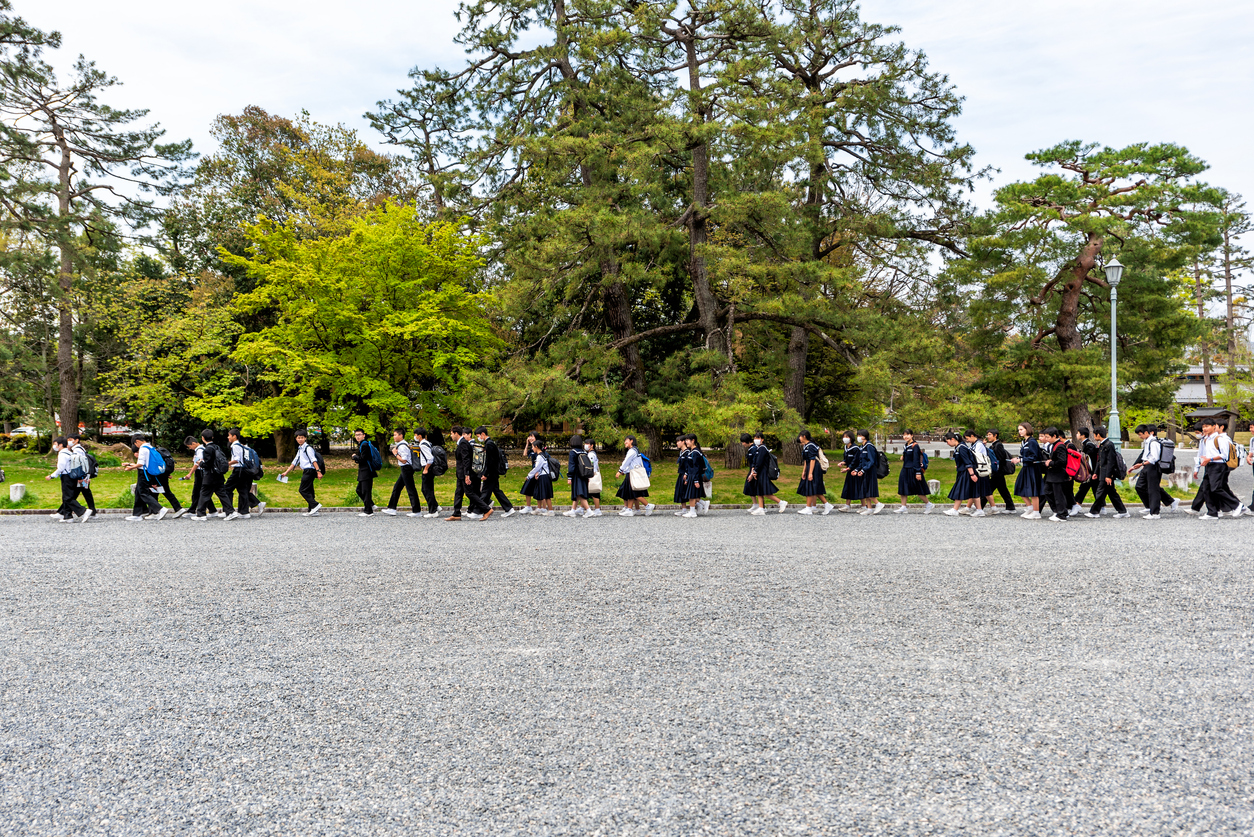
{"x": 728, "y": 675}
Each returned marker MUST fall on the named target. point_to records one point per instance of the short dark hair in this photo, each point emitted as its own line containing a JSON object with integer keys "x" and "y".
{"x": 481, "y": 429}
{"x": 234, "y": 431}
{"x": 1051, "y": 431}
{"x": 1085, "y": 432}
{"x": 206, "y": 435}
{"x": 629, "y": 438}
{"x": 302, "y": 432}
{"x": 60, "y": 440}
{"x": 74, "y": 435}
{"x": 539, "y": 443}
{"x": 360, "y": 430}
{"x": 994, "y": 432}
{"x": 746, "y": 438}
{"x": 576, "y": 441}
{"x": 758, "y": 434}
{"x": 970, "y": 431}
{"x": 399, "y": 430}
{"x": 1141, "y": 428}
{"x": 191, "y": 440}
{"x": 420, "y": 431}
{"x": 139, "y": 437}
{"x": 1099, "y": 431}
{"x": 865, "y": 434}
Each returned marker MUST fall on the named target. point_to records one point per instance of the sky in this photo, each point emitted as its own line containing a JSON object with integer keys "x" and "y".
{"x": 1033, "y": 73}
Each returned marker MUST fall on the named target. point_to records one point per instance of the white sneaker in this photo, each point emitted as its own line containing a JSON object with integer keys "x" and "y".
{"x": 1122, "y": 516}
{"x": 865, "y": 510}
{"x": 681, "y": 512}
{"x": 161, "y": 514}
{"x": 951, "y": 512}
{"x": 1027, "y": 515}
{"x": 1075, "y": 509}
{"x": 992, "y": 510}
{"x": 1241, "y": 509}
{"x": 648, "y": 510}
{"x": 232, "y": 516}
{"x": 179, "y": 513}
{"x": 261, "y": 507}
{"x": 413, "y": 514}
{"x": 783, "y": 504}
{"x": 929, "y": 508}
{"x": 692, "y": 513}
{"x": 570, "y": 513}
{"x": 965, "y": 510}
{"x": 313, "y": 513}
{"x": 365, "y": 514}
{"x": 431, "y": 514}
{"x": 220, "y": 514}
{"x": 132, "y": 519}
{"x": 596, "y": 513}
{"x": 473, "y": 516}
{"x": 508, "y": 513}
{"x": 1094, "y": 516}
{"x": 1034, "y": 515}
{"x": 827, "y": 508}
{"x": 805, "y": 510}
{"x": 199, "y": 519}
{"x": 84, "y": 517}
{"x": 1055, "y": 518}
{"x": 1203, "y": 517}
{"x": 705, "y": 507}
{"x": 1175, "y": 505}
{"x": 879, "y": 507}
{"x": 978, "y": 513}
{"x": 389, "y": 512}
{"x": 69, "y": 519}
{"x": 525, "y": 510}
{"x": 901, "y": 510}
{"x": 543, "y": 513}
{"x": 626, "y": 513}
{"x": 245, "y": 516}
{"x": 845, "y": 509}
{"x": 757, "y": 511}
{"x": 1157, "y": 517}
{"x": 1190, "y": 510}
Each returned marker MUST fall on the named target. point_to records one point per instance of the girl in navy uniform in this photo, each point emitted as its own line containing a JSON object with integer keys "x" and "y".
{"x": 578, "y": 485}
{"x": 693, "y": 490}
{"x": 966, "y": 481}
{"x": 1029, "y": 485}
{"x": 849, "y": 467}
{"x": 913, "y": 479}
{"x": 868, "y": 486}
{"x": 758, "y": 485}
{"x": 705, "y": 490}
{"x": 680, "y": 495}
{"x": 811, "y": 486}
{"x": 540, "y": 480}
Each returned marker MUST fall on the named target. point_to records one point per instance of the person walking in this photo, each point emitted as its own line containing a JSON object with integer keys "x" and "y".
{"x": 811, "y": 486}
{"x": 490, "y": 479}
{"x": 148, "y": 464}
{"x": 630, "y": 496}
{"x": 912, "y": 481}
{"x": 466, "y": 489}
{"x": 1031, "y": 483}
{"x": 307, "y": 461}
{"x": 576, "y": 460}
{"x": 1088, "y": 449}
{"x": 197, "y": 474}
{"x": 84, "y": 485}
{"x": 758, "y": 484}
{"x": 1214, "y": 452}
{"x": 1109, "y": 470}
{"x": 426, "y": 461}
{"x": 69, "y": 471}
{"x": 214, "y": 465}
{"x": 1057, "y": 481}
{"x": 240, "y": 480}
{"x": 367, "y": 458}
{"x": 966, "y": 487}
{"x": 595, "y": 484}
{"x": 850, "y": 458}
{"x": 404, "y": 455}
{"x": 1149, "y": 481}
{"x": 1003, "y": 467}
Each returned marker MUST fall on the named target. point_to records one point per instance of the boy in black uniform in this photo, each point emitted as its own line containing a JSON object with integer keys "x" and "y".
{"x": 1001, "y": 463}
{"x": 463, "y": 453}
{"x": 1104, "y": 486}
{"x": 214, "y": 485}
{"x": 197, "y": 473}
{"x": 1089, "y": 451}
{"x": 1057, "y": 483}
{"x": 490, "y": 479}
{"x": 365, "y": 473}
{"x": 405, "y": 461}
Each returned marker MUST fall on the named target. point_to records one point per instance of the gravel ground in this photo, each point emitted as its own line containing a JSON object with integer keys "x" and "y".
{"x": 730, "y": 675}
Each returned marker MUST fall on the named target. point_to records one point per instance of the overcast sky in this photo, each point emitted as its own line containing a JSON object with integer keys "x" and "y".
{"x": 1033, "y": 73}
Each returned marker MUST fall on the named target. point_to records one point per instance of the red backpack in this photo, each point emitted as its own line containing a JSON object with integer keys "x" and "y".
{"x": 1077, "y": 465}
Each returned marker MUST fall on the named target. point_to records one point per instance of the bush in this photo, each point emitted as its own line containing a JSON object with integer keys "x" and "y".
{"x": 30, "y": 501}
{"x": 104, "y": 459}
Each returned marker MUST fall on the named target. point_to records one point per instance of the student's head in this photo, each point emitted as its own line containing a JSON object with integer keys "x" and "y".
{"x": 589, "y": 445}
{"x": 481, "y": 431}
{"x": 206, "y": 436}
{"x": 539, "y": 445}
{"x": 908, "y": 435}
{"x": 758, "y": 438}
{"x": 73, "y": 438}
{"x": 992, "y": 434}
{"x": 970, "y": 435}
{"x": 59, "y": 442}
{"x": 804, "y": 437}
{"x": 746, "y": 439}
{"x": 398, "y": 434}
{"x": 848, "y": 437}
{"x": 951, "y": 439}
{"x": 359, "y": 434}
{"x": 1025, "y": 430}
{"x": 1084, "y": 433}
{"x": 302, "y": 436}
{"x": 576, "y": 441}
{"x": 531, "y": 437}
{"x": 420, "y": 432}
{"x": 629, "y": 441}
{"x": 139, "y": 440}
{"x": 1099, "y": 432}
{"x": 233, "y": 434}
{"x": 193, "y": 443}
{"x": 864, "y": 436}
{"x": 692, "y": 441}
{"x": 1051, "y": 433}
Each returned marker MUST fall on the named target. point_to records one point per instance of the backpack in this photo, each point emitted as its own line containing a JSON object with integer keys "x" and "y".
{"x": 983, "y": 465}
{"x": 439, "y": 460}
{"x": 554, "y": 469}
{"x": 252, "y": 463}
{"x": 214, "y": 460}
{"x": 586, "y": 468}
{"x": 823, "y": 463}
{"x": 79, "y": 467}
{"x": 1166, "y": 456}
{"x": 322, "y": 466}
{"x": 881, "y": 465}
{"x": 1004, "y": 466}
{"x": 1234, "y": 455}
{"x": 1077, "y": 465}
{"x": 168, "y": 458}
{"x": 156, "y": 464}
{"x": 374, "y": 459}
{"x": 478, "y": 457}
{"x": 707, "y": 473}
{"x": 923, "y": 460}
{"x": 1121, "y": 466}
{"x": 774, "y": 466}
{"x": 502, "y": 462}
{"x": 648, "y": 465}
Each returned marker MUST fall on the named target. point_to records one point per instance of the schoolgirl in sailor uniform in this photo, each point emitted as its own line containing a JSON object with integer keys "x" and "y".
{"x": 1030, "y": 484}
{"x": 849, "y": 465}
{"x": 630, "y": 496}
{"x": 758, "y": 483}
{"x": 594, "y": 497}
{"x": 681, "y": 473}
{"x": 689, "y": 489}
{"x": 912, "y": 482}
{"x": 966, "y": 481}
{"x": 701, "y": 491}
{"x": 528, "y": 486}
{"x": 983, "y": 484}
{"x": 578, "y": 484}
{"x": 868, "y": 485}
{"x": 811, "y": 486}
{"x": 541, "y": 479}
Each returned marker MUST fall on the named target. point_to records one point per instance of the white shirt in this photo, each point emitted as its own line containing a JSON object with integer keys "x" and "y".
{"x": 404, "y": 453}
{"x": 63, "y": 462}
{"x": 305, "y": 458}
{"x": 596, "y": 463}
{"x": 630, "y": 461}
{"x": 541, "y": 467}
{"x": 199, "y": 455}
{"x": 425, "y": 456}
{"x": 1216, "y": 447}
{"x": 1151, "y": 450}
{"x": 237, "y": 453}
{"x": 141, "y": 458}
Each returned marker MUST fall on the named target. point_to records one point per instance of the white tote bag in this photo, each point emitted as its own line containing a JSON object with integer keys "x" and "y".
{"x": 594, "y": 484}
{"x": 639, "y": 479}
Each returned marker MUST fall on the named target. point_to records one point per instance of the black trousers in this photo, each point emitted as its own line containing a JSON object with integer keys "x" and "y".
{"x": 428, "y": 491}
{"x": 70, "y": 507}
{"x": 1084, "y": 490}
{"x": 199, "y": 489}
{"x": 145, "y": 500}
{"x": 214, "y": 486}
{"x": 1219, "y": 497}
{"x": 238, "y": 482}
{"x": 365, "y": 490}
{"x": 1149, "y": 488}
{"x": 88, "y": 498}
{"x": 1103, "y": 492}
{"x": 308, "y": 476}
{"x": 471, "y": 494}
{"x": 164, "y": 481}
{"x": 1060, "y": 498}
{"x": 491, "y": 488}
{"x": 405, "y": 481}
{"x": 1000, "y": 487}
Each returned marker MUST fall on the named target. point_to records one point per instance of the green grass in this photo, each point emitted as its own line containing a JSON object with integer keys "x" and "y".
{"x": 338, "y": 488}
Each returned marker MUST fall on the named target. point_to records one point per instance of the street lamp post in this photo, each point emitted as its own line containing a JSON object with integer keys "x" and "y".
{"x": 1114, "y": 272}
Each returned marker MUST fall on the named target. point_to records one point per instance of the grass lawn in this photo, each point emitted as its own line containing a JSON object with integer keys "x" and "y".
{"x": 338, "y": 487}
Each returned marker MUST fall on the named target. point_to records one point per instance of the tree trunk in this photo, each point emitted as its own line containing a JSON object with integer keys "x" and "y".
{"x": 734, "y": 456}
{"x": 66, "y": 378}
{"x": 1204, "y": 346}
{"x": 795, "y": 387}
{"x": 1066, "y": 330}
{"x": 618, "y": 316}
{"x": 285, "y": 444}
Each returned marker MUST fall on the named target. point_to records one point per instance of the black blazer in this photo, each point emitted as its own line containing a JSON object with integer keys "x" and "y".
{"x": 1056, "y": 471}
{"x": 463, "y": 455}
{"x": 1106, "y": 455}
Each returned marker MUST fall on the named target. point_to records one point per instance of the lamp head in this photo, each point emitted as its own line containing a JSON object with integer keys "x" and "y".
{"x": 1114, "y": 272}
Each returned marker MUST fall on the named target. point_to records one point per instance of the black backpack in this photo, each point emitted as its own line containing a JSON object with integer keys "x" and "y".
{"x": 586, "y": 469}
{"x": 1121, "y": 465}
{"x": 317, "y": 455}
{"x": 478, "y": 458}
{"x": 881, "y": 465}
{"x": 214, "y": 460}
{"x": 92, "y": 469}
{"x": 1004, "y": 466}
{"x": 774, "y": 467}
{"x": 554, "y": 468}
{"x": 166, "y": 457}
{"x": 1166, "y": 456}
{"x": 502, "y": 462}
{"x": 251, "y": 464}
{"x": 439, "y": 461}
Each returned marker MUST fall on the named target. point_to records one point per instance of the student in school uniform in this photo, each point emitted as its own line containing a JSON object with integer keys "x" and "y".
{"x": 238, "y": 480}
{"x": 811, "y": 486}
{"x": 1107, "y": 456}
{"x": 527, "y": 485}
{"x": 365, "y": 472}
{"x": 966, "y": 481}
{"x": 197, "y": 474}
{"x": 849, "y": 467}
{"x": 868, "y": 485}
{"x": 1149, "y": 485}
{"x": 490, "y": 479}
{"x": 84, "y": 485}
{"x": 1057, "y": 482}
{"x": 693, "y": 493}
{"x": 912, "y": 481}
{"x": 578, "y": 484}
{"x": 405, "y": 480}
{"x": 215, "y": 483}
{"x": 594, "y": 490}
{"x": 1213, "y": 453}
{"x": 702, "y": 503}
{"x": 71, "y": 510}
{"x": 632, "y": 497}
{"x": 1031, "y": 483}
{"x": 541, "y": 478}
{"x": 981, "y": 453}
{"x": 1001, "y": 465}
{"x": 146, "y": 504}
{"x": 1088, "y": 449}
{"x": 426, "y": 462}
{"x": 310, "y": 473}
{"x": 758, "y": 484}
{"x": 680, "y": 496}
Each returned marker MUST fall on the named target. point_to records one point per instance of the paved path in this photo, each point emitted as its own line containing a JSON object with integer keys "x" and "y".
{"x": 730, "y": 675}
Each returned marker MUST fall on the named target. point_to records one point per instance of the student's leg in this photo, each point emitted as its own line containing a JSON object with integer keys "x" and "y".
{"x": 223, "y": 494}
{"x": 144, "y": 498}
{"x": 70, "y": 506}
{"x": 365, "y": 490}
{"x": 459, "y": 493}
{"x": 396, "y": 490}
{"x": 308, "y": 477}
{"x": 1112, "y": 494}
{"x": 492, "y": 488}
{"x": 175, "y": 504}
{"x": 411, "y": 490}
{"x": 428, "y": 491}
{"x": 89, "y": 498}
{"x": 1153, "y": 489}
{"x": 999, "y": 486}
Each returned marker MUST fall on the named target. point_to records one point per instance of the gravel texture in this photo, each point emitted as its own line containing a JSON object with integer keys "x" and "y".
{"x": 727, "y": 675}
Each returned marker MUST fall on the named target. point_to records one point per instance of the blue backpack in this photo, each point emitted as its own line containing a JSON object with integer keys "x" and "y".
{"x": 376, "y": 459}
{"x": 156, "y": 465}
{"x": 648, "y": 465}
{"x": 708, "y": 473}
{"x": 924, "y": 460}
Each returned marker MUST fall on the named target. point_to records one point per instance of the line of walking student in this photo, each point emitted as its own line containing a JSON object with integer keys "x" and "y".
{"x": 1049, "y": 466}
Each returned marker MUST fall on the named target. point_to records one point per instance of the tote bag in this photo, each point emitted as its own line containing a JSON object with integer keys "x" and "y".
{"x": 639, "y": 479}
